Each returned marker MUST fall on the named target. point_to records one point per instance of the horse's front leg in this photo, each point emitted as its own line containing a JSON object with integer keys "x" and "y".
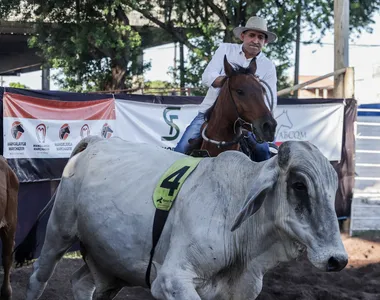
{"x": 7, "y": 234}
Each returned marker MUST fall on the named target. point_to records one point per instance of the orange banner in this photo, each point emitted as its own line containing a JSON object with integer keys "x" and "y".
{"x": 21, "y": 106}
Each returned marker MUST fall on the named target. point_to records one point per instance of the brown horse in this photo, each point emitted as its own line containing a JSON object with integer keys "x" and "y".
{"x": 9, "y": 186}
{"x": 240, "y": 107}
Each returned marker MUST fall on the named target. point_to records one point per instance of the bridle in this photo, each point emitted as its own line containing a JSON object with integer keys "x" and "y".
{"x": 240, "y": 122}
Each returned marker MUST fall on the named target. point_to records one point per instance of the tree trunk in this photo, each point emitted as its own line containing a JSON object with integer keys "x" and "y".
{"x": 228, "y": 36}
{"x": 182, "y": 68}
{"x": 119, "y": 75}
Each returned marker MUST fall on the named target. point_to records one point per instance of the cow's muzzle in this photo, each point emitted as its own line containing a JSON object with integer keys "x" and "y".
{"x": 336, "y": 263}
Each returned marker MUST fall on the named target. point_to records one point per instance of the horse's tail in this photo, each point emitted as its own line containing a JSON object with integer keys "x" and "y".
{"x": 25, "y": 251}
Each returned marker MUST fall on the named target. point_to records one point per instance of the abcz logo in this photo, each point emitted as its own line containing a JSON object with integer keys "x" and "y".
{"x": 285, "y": 129}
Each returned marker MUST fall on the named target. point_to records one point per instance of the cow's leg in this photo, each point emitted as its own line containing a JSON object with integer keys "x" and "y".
{"x": 60, "y": 236}
{"x": 107, "y": 286}
{"x": 7, "y": 238}
{"x": 173, "y": 284}
{"x": 82, "y": 284}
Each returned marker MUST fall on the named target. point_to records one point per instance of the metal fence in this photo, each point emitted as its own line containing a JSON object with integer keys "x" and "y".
{"x": 365, "y": 211}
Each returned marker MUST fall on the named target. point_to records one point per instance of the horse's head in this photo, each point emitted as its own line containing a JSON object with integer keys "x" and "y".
{"x": 247, "y": 93}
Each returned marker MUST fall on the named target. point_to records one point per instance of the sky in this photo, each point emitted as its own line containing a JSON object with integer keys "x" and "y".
{"x": 314, "y": 60}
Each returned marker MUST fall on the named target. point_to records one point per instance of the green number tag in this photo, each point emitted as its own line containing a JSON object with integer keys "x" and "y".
{"x": 171, "y": 182}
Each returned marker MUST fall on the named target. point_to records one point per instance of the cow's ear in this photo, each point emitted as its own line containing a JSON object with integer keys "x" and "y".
{"x": 266, "y": 180}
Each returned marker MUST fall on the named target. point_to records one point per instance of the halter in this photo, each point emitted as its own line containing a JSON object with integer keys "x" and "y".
{"x": 240, "y": 121}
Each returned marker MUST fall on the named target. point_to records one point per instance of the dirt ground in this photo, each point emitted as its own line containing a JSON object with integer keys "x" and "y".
{"x": 298, "y": 280}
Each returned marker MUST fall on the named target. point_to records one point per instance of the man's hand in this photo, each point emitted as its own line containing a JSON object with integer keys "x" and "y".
{"x": 218, "y": 82}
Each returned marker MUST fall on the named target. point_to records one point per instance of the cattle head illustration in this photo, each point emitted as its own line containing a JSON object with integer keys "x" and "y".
{"x": 17, "y": 130}
{"x": 106, "y": 131}
{"x": 64, "y": 131}
{"x": 85, "y": 131}
{"x": 41, "y": 132}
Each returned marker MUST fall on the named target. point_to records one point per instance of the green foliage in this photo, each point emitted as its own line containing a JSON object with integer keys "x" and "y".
{"x": 93, "y": 45}
{"x": 90, "y": 42}
{"x": 18, "y": 85}
{"x": 209, "y": 22}
{"x": 9, "y": 6}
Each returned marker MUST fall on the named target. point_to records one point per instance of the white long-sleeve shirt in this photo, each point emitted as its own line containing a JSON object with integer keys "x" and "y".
{"x": 266, "y": 71}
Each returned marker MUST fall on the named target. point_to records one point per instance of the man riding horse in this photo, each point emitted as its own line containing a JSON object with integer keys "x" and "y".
{"x": 254, "y": 36}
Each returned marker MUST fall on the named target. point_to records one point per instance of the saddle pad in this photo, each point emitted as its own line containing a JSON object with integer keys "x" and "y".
{"x": 171, "y": 182}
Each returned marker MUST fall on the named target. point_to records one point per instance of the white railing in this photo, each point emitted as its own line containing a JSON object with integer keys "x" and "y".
{"x": 365, "y": 209}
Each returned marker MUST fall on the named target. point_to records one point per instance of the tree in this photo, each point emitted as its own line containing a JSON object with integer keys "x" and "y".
{"x": 94, "y": 46}
{"x": 91, "y": 42}
{"x": 18, "y": 85}
{"x": 9, "y": 6}
{"x": 211, "y": 22}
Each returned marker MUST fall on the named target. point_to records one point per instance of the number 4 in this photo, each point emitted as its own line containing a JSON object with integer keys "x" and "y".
{"x": 174, "y": 184}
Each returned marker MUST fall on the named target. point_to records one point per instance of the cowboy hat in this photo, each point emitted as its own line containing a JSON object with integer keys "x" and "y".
{"x": 257, "y": 24}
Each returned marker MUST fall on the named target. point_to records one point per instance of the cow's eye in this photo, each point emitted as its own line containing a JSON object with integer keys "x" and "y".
{"x": 299, "y": 186}
{"x": 240, "y": 92}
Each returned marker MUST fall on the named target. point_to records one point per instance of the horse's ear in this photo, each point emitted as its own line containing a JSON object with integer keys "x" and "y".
{"x": 227, "y": 67}
{"x": 253, "y": 66}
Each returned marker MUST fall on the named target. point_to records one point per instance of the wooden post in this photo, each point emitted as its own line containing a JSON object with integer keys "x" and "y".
{"x": 325, "y": 93}
{"x": 181, "y": 68}
{"x": 45, "y": 78}
{"x": 175, "y": 64}
{"x": 341, "y": 33}
{"x": 349, "y": 83}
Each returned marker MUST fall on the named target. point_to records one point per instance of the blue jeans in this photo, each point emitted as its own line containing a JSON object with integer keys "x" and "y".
{"x": 261, "y": 152}
{"x": 192, "y": 131}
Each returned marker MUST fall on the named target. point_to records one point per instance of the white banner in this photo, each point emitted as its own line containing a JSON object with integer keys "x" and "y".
{"x": 32, "y": 138}
{"x": 41, "y": 128}
{"x": 158, "y": 124}
{"x": 320, "y": 124}
{"x": 163, "y": 125}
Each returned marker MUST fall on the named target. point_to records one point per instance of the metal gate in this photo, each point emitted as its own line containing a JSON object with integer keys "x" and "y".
{"x": 365, "y": 209}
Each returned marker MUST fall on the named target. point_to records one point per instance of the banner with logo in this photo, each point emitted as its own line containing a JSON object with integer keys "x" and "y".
{"x": 157, "y": 124}
{"x": 163, "y": 125}
{"x": 320, "y": 124}
{"x": 41, "y": 128}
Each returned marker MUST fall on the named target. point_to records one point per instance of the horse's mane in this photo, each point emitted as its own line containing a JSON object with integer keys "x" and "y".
{"x": 209, "y": 111}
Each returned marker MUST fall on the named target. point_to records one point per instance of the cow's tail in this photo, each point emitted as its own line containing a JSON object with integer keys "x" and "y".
{"x": 25, "y": 251}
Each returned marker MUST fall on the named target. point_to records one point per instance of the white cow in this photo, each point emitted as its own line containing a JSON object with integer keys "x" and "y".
{"x": 232, "y": 221}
